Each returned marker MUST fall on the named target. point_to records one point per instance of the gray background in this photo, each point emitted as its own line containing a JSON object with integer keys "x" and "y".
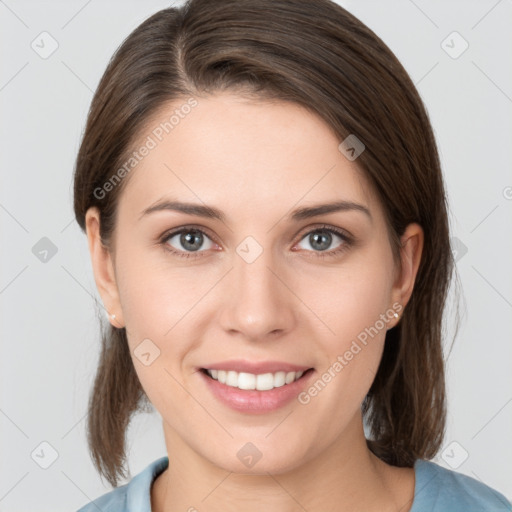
{"x": 48, "y": 323}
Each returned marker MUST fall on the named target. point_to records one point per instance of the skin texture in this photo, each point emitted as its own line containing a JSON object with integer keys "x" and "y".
{"x": 257, "y": 161}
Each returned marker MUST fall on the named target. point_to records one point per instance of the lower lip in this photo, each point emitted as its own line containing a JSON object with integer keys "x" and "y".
{"x": 254, "y": 401}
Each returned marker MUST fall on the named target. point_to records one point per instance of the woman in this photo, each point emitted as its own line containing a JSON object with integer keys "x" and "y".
{"x": 266, "y": 216}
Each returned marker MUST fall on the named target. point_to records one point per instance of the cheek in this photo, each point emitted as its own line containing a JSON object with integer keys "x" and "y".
{"x": 355, "y": 304}
{"x": 157, "y": 305}
{"x": 351, "y": 299}
{"x": 163, "y": 313}
{"x": 155, "y": 295}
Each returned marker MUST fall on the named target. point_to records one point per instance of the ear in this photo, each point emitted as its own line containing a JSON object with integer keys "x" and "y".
{"x": 103, "y": 268}
{"x": 410, "y": 255}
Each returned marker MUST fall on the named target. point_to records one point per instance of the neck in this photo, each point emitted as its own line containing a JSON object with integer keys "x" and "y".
{"x": 344, "y": 477}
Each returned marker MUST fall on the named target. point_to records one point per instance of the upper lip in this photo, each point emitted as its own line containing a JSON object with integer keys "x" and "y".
{"x": 256, "y": 367}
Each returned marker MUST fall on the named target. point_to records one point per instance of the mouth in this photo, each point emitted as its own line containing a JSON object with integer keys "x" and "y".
{"x": 251, "y": 386}
{"x": 251, "y": 381}
{"x": 256, "y": 393}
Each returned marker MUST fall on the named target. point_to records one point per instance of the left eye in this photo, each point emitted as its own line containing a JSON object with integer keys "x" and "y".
{"x": 320, "y": 239}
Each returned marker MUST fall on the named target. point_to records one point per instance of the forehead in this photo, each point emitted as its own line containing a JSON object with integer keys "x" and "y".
{"x": 251, "y": 156}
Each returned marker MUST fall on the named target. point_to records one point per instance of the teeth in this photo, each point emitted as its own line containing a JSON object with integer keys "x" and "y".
{"x": 261, "y": 382}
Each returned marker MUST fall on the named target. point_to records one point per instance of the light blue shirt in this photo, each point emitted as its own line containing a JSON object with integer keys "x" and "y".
{"x": 436, "y": 489}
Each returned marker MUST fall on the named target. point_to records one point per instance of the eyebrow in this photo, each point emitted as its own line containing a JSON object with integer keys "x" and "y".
{"x": 213, "y": 213}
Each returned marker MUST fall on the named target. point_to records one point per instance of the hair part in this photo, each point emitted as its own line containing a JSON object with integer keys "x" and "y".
{"x": 317, "y": 55}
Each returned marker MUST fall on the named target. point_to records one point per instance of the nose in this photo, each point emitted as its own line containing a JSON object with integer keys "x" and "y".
{"x": 259, "y": 303}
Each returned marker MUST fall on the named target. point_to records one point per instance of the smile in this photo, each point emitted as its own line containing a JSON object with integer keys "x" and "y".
{"x": 255, "y": 387}
{"x": 259, "y": 382}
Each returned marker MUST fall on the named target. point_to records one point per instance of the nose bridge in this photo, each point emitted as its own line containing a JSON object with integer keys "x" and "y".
{"x": 259, "y": 303}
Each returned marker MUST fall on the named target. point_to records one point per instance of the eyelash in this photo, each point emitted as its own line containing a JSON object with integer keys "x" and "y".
{"x": 348, "y": 241}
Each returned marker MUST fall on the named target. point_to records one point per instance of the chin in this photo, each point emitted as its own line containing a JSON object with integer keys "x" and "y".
{"x": 253, "y": 458}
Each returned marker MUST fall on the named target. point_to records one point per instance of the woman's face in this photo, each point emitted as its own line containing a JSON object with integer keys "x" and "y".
{"x": 268, "y": 288}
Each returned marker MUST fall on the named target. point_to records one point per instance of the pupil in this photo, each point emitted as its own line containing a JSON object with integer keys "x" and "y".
{"x": 318, "y": 236}
{"x": 188, "y": 239}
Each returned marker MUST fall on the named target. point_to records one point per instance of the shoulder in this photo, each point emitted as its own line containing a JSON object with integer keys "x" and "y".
{"x": 135, "y": 496}
{"x": 113, "y": 501}
{"x": 441, "y": 489}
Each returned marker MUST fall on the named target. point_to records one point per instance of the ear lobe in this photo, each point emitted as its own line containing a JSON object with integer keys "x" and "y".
{"x": 410, "y": 254}
{"x": 103, "y": 268}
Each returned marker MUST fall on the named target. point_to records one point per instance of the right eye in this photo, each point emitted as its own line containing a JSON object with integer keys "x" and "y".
{"x": 190, "y": 240}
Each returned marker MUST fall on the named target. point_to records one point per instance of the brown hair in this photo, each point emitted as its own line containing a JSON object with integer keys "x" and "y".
{"x": 318, "y": 55}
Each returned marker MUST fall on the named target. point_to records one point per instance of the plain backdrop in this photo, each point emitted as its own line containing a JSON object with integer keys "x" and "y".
{"x": 49, "y": 330}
